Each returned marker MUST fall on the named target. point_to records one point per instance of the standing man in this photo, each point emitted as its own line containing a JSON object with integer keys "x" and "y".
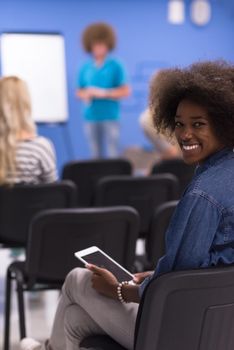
{"x": 101, "y": 84}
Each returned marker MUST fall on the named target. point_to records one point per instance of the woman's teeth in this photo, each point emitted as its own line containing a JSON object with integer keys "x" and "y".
{"x": 189, "y": 147}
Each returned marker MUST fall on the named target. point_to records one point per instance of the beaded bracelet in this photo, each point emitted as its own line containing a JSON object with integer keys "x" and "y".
{"x": 119, "y": 292}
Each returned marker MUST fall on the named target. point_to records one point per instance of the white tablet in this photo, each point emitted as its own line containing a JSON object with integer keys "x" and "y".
{"x": 96, "y": 256}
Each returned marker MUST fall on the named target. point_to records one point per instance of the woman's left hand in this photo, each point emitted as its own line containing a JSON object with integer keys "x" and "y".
{"x": 103, "y": 281}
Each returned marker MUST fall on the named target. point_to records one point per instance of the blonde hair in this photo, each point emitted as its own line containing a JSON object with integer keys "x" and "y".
{"x": 15, "y": 118}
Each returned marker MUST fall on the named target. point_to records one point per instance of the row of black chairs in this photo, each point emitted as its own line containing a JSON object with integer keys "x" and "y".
{"x": 20, "y": 203}
{"x": 56, "y": 234}
{"x": 179, "y": 311}
{"x": 86, "y": 174}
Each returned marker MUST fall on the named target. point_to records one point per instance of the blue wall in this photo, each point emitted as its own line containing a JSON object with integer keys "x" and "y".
{"x": 146, "y": 42}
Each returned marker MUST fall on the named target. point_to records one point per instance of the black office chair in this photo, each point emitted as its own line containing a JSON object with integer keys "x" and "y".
{"x": 55, "y": 235}
{"x": 177, "y": 167}
{"x": 187, "y": 310}
{"x": 155, "y": 241}
{"x": 20, "y": 203}
{"x": 144, "y": 194}
{"x": 85, "y": 174}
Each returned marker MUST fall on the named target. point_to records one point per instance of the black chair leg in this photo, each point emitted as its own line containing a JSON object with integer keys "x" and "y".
{"x": 20, "y": 295}
{"x": 7, "y": 322}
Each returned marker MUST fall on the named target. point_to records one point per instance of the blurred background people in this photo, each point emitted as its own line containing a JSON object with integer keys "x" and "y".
{"x": 164, "y": 146}
{"x": 25, "y": 157}
{"x": 101, "y": 83}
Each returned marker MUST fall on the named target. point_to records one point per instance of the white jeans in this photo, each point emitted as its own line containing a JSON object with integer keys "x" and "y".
{"x": 103, "y": 136}
{"x": 82, "y": 312}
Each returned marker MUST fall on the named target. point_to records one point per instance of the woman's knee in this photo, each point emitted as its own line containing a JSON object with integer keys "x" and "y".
{"x": 76, "y": 278}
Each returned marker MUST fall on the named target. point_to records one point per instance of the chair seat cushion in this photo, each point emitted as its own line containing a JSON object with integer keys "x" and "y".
{"x": 100, "y": 342}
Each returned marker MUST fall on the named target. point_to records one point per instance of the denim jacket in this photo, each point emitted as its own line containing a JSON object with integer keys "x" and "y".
{"x": 201, "y": 232}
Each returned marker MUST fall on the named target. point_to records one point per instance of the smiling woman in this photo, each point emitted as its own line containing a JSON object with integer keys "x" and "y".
{"x": 196, "y": 103}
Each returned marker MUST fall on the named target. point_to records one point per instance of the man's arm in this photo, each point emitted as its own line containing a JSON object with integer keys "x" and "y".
{"x": 119, "y": 92}
{"x": 100, "y": 93}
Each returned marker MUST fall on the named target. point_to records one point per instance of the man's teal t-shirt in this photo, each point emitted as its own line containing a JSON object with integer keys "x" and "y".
{"x": 108, "y": 76}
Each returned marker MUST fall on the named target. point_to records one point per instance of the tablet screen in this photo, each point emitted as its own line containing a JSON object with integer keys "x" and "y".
{"x": 97, "y": 258}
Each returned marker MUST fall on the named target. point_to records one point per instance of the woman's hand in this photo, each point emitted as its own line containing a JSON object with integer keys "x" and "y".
{"x": 103, "y": 281}
{"x": 141, "y": 276}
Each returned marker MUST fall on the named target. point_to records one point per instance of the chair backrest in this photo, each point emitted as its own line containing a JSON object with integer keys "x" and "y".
{"x": 188, "y": 310}
{"x": 155, "y": 242}
{"x": 55, "y": 236}
{"x": 144, "y": 194}
{"x": 85, "y": 174}
{"x": 177, "y": 167}
{"x": 20, "y": 203}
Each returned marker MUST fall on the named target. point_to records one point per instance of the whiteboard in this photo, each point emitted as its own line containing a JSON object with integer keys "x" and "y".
{"x": 39, "y": 59}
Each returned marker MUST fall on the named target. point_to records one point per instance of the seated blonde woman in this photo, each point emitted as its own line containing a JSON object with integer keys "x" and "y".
{"x": 25, "y": 157}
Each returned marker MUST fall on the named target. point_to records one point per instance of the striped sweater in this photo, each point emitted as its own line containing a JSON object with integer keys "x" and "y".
{"x": 35, "y": 162}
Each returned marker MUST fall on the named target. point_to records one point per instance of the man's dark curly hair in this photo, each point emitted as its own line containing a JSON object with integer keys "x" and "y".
{"x": 209, "y": 84}
{"x": 99, "y": 33}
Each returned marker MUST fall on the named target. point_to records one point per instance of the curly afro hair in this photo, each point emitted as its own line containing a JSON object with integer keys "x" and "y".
{"x": 99, "y": 32}
{"x": 209, "y": 84}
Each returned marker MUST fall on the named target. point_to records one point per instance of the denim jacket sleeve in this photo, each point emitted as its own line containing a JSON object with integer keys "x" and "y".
{"x": 190, "y": 234}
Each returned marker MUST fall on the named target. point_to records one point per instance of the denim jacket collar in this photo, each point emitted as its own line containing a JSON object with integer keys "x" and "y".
{"x": 214, "y": 159}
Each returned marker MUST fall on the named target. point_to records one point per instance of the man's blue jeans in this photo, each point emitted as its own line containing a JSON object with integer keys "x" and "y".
{"x": 103, "y": 138}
